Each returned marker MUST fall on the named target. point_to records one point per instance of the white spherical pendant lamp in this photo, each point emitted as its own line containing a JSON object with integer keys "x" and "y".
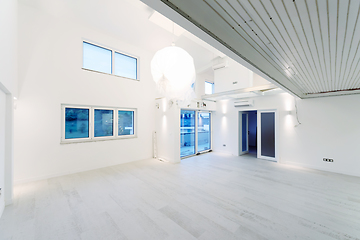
{"x": 173, "y": 71}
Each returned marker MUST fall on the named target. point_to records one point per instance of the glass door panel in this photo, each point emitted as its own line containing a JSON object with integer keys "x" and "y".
{"x": 267, "y": 121}
{"x": 187, "y": 133}
{"x": 203, "y": 130}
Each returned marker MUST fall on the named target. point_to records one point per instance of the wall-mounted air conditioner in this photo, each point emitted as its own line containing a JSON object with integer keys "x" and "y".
{"x": 244, "y": 103}
{"x": 220, "y": 65}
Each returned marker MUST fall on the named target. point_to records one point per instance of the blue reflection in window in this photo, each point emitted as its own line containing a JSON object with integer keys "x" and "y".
{"x": 125, "y": 122}
{"x": 125, "y": 66}
{"x": 97, "y": 58}
{"x": 187, "y": 133}
{"x": 204, "y": 131}
{"x": 103, "y": 123}
{"x": 76, "y": 123}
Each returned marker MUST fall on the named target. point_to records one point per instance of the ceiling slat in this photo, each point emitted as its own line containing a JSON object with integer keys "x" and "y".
{"x": 291, "y": 33}
{"x": 341, "y": 35}
{"x": 244, "y": 30}
{"x": 295, "y": 20}
{"x": 278, "y": 28}
{"x": 309, "y": 15}
{"x": 354, "y": 51}
{"x": 332, "y": 11}
{"x": 351, "y": 35}
{"x": 306, "y": 34}
{"x": 262, "y": 20}
{"x": 322, "y": 12}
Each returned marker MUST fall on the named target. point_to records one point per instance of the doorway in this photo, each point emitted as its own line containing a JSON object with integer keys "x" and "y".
{"x": 248, "y": 139}
{"x": 195, "y": 132}
{"x": 257, "y": 134}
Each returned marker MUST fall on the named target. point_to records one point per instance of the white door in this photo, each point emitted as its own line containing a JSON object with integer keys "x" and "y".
{"x": 243, "y": 133}
{"x": 267, "y": 135}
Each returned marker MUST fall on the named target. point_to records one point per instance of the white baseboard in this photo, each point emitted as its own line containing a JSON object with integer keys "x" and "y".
{"x": 43, "y": 177}
{"x": 321, "y": 169}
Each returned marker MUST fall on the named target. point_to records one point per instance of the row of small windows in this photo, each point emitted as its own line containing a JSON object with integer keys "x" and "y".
{"x": 108, "y": 61}
{"x": 94, "y": 123}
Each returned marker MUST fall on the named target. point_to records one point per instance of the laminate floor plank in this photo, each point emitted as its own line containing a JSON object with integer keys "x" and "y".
{"x": 211, "y": 196}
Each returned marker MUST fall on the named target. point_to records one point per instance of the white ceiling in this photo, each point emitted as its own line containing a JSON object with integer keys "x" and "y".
{"x": 309, "y": 47}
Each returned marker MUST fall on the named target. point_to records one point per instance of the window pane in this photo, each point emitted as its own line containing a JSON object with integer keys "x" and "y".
{"x": 204, "y": 131}
{"x": 187, "y": 133}
{"x": 125, "y": 66}
{"x": 125, "y": 123}
{"x": 209, "y": 88}
{"x": 103, "y": 123}
{"x": 76, "y": 123}
{"x": 96, "y": 58}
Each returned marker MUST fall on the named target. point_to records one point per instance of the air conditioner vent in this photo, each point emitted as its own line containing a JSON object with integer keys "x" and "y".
{"x": 244, "y": 103}
{"x": 220, "y": 65}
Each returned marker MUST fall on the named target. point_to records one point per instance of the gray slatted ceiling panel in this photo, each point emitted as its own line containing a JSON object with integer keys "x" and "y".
{"x": 317, "y": 39}
{"x": 264, "y": 23}
{"x": 240, "y": 17}
{"x": 352, "y": 43}
{"x": 241, "y": 26}
{"x": 282, "y": 36}
{"x": 308, "y": 37}
{"x": 351, "y": 80}
{"x": 342, "y": 25}
{"x": 296, "y": 32}
{"x": 314, "y": 44}
{"x": 322, "y": 6}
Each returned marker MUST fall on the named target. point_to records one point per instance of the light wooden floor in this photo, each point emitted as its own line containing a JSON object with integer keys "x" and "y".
{"x": 211, "y": 196}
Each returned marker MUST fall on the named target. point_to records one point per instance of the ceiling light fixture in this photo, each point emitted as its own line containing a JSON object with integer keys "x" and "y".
{"x": 173, "y": 71}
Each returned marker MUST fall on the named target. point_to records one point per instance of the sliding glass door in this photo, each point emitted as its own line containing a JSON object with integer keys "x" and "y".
{"x": 195, "y": 132}
{"x": 203, "y": 130}
{"x": 187, "y": 133}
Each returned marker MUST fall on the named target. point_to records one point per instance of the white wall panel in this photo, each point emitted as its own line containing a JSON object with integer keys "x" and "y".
{"x": 51, "y": 74}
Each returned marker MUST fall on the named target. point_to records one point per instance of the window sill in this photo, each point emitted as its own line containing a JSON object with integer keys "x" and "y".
{"x": 95, "y": 140}
{"x": 110, "y": 74}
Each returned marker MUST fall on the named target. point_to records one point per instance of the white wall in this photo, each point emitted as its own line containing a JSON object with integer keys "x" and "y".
{"x": 2, "y": 149}
{"x": 207, "y": 76}
{"x": 50, "y": 47}
{"x": 234, "y": 76}
{"x": 329, "y": 129}
{"x": 8, "y": 86}
{"x": 8, "y": 46}
{"x": 167, "y": 127}
{"x": 258, "y": 80}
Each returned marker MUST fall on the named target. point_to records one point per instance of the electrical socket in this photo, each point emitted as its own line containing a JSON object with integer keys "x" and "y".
{"x": 328, "y": 160}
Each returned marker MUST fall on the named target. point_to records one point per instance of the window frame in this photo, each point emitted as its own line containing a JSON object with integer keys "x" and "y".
{"x": 134, "y": 122}
{"x": 113, "y": 123}
{"x": 63, "y": 123}
{"x": 113, "y": 51}
{"x": 92, "y": 137}
{"x": 128, "y": 55}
